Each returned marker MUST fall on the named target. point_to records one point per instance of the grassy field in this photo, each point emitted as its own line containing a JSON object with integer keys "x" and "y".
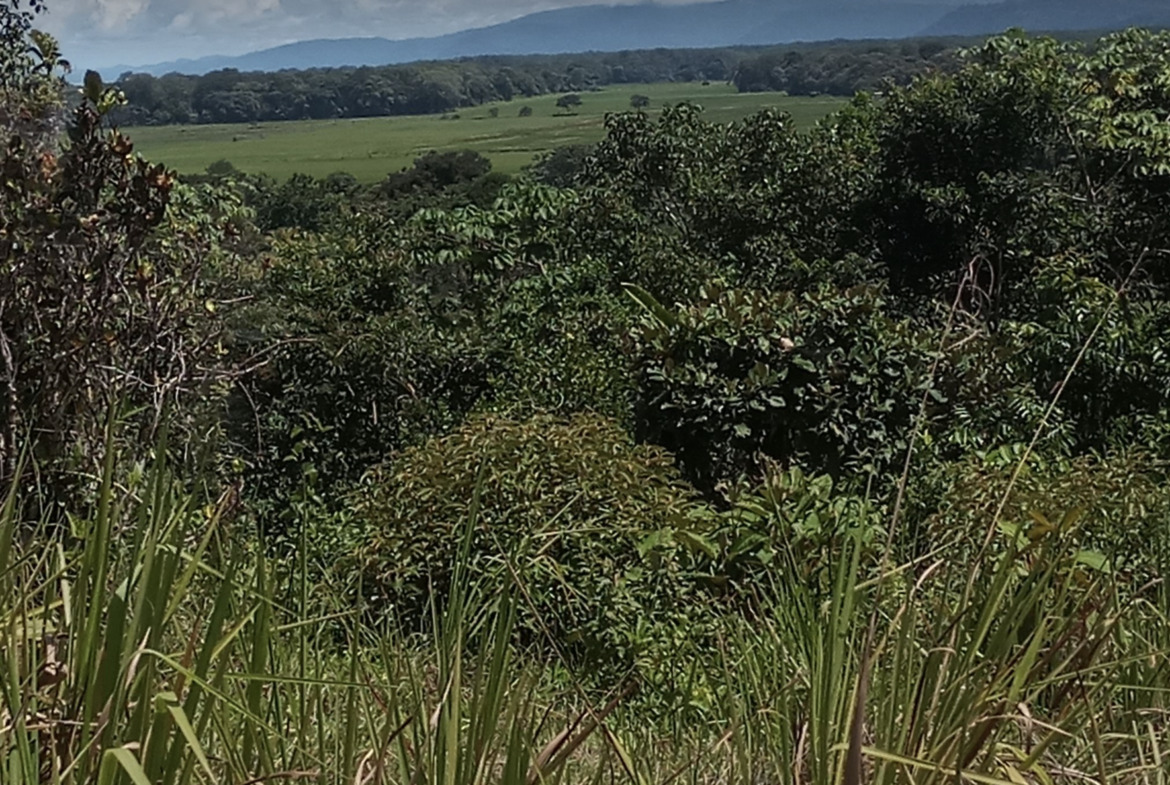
{"x": 370, "y": 148}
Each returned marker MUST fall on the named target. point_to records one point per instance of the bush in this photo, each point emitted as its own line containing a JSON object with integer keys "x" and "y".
{"x": 566, "y": 503}
{"x": 354, "y": 366}
{"x": 301, "y": 202}
{"x": 562, "y": 334}
{"x": 826, "y": 380}
{"x": 1116, "y": 505}
{"x": 105, "y": 292}
{"x": 561, "y": 167}
{"x": 674, "y": 200}
{"x": 569, "y": 101}
{"x": 448, "y": 179}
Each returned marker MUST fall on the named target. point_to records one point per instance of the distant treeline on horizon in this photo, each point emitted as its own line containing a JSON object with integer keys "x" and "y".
{"x": 231, "y": 96}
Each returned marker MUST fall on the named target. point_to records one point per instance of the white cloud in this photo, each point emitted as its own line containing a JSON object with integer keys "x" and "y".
{"x": 116, "y": 14}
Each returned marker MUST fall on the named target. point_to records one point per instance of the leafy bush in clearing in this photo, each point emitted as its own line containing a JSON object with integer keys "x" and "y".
{"x": 568, "y": 505}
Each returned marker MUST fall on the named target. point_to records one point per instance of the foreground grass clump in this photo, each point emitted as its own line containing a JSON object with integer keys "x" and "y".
{"x": 146, "y": 645}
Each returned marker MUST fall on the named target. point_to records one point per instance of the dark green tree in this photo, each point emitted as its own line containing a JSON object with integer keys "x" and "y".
{"x": 104, "y": 301}
{"x": 569, "y": 101}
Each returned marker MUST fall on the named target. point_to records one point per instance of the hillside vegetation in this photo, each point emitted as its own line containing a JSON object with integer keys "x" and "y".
{"x": 718, "y": 452}
{"x": 232, "y": 96}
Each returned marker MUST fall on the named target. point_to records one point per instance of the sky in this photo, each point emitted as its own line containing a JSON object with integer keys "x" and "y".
{"x": 104, "y": 33}
{"x": 98, "y": 33}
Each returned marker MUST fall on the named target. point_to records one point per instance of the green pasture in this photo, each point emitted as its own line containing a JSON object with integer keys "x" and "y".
{"x": 369, "y": 148}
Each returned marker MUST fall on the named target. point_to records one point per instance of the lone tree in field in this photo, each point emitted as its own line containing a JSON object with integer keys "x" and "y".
{"x": 526, "y": 111}
{"x": 569, "y": 101}
{"x": 639, "y": 101}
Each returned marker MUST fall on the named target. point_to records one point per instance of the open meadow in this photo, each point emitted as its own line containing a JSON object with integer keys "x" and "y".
{"x": 369, "y": 148}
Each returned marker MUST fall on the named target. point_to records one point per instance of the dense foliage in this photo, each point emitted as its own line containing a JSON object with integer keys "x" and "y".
{"x": 848, "y": 447}
{"x": 107, "y": 287}
{"x": 931, "y": 263}
{"x": 573, "y": 504}
{"x": 844, "y": 68}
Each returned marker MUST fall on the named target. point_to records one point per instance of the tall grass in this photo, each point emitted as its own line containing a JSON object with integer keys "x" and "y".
{"x": 150, "y": 644}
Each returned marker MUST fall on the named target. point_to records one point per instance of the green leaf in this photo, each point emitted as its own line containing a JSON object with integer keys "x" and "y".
{"x": 655, "y": 540}
{"x": 651, "y": 305}
{"x": 171, "y": 702}
{"x": 697, "y": 543}
{"x": 1094, "y": 560}
{"x": 93, "y": 87}
{"x": 124, "y": 758}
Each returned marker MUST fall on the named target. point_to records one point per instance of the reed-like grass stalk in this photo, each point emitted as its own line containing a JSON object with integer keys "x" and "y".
{"x": 148, "y": 644}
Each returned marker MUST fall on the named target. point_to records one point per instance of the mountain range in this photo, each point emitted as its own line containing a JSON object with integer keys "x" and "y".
{"x": 707, "y": 24}
{"x": 1053, "y": 16}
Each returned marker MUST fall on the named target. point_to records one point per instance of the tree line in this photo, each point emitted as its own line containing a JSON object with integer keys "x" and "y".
{"x": 231, "y": 96}
{"x": 844, "y": 68}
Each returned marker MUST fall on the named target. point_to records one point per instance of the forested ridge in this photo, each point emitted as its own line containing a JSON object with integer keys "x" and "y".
{"x": 230, "y": 96}
{"x": 719, "y": 451}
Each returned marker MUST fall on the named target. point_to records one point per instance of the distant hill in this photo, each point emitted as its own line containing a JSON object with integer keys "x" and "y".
{"x": 1053, "y": 15}
{"x": 601, "y": 28}
{"x": 712, "y": 24}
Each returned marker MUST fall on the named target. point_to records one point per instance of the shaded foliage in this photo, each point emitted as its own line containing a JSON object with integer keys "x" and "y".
{"x": 103, "y": 297}
{"x": 844, "y": 68}
{"x": 826, "y": 380}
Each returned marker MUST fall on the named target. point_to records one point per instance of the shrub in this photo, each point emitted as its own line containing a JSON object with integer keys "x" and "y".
{"x": 674, "y": 201}
{"x": 353, "y": 367}
{"x": 1034, "y": 150}
{"x": 1117, "y": 505}
{"x": 560, "y": 334}
{"x": 104, "y": 291}
{"x": 561, "y": 167}
{"x": 825, "y": 379}
{"x": 569, "y": 101}
{"x": 791, "y": 516}
{"x": 301, "y": 202}
{"x": 565, "y": 503}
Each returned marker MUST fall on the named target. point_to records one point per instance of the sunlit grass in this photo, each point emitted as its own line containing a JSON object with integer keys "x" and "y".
{"x": 370, "y": 148}
{"x": 154, "y": 646}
